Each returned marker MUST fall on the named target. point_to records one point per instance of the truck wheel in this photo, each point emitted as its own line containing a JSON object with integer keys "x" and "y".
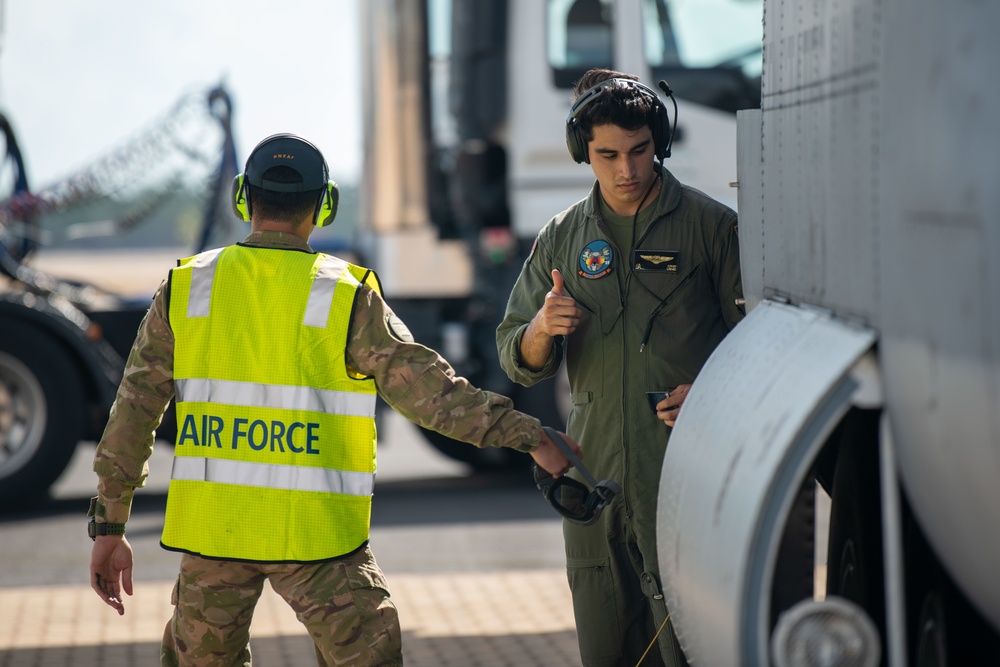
{"x": 538, "y": 401}
{"x": 482, "y": 460}
{"x": 542, "y": 401}
{"x": 41, "y": 412}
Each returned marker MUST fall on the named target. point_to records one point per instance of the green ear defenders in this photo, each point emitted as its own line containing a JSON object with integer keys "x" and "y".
{"x": 296, "y": 153}
{"x": 662, "y": 134}
{"x": 241, "y": 202}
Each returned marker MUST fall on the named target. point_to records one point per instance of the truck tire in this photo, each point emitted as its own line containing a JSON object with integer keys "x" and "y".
{"x": 538, "y": 401}
{"x": 41, "y": 412}
{"x": 482, "y": 460}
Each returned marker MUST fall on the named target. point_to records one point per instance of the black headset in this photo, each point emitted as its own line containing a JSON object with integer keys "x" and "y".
{"x": 295, "y": 152}
{"x": 663, "y": 133}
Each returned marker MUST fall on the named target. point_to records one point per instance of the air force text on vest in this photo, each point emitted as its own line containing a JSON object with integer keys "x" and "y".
{"x": 259, "y": 435}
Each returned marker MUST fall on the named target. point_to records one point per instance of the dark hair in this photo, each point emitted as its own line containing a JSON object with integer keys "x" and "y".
{"x": 618, "y": 104}
{"x": 288, "y": 207}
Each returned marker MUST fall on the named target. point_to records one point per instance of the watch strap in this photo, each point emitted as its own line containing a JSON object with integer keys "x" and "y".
{"x": 94, "y": 529}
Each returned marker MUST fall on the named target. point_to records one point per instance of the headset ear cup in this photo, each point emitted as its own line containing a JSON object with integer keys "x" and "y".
{"x": 575, "y": 142}
{"x": 241, "y": 207}
{"x": 328, "y": 204}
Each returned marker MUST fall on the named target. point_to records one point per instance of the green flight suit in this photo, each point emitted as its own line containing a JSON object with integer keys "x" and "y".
{"x": 652, "y": 316}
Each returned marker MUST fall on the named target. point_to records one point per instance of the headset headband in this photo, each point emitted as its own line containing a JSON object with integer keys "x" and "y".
{"x": 663, "y": 133}
{"x": 297, "y": 154}
{"x": 594, "y": 92}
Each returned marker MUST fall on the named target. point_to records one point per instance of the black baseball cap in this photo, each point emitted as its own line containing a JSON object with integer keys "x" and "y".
{"x": 287, "y": 150}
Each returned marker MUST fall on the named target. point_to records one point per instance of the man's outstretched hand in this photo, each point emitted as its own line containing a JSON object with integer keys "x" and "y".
{"x": 549, "y": 457}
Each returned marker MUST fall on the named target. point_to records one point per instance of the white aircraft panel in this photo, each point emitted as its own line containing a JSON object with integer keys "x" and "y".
{"x": 940, "y": 258}
{"x": 727, "y": 484}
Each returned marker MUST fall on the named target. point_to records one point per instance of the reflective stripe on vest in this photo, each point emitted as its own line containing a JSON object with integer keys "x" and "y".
{"x": 202, "y": 275}
{"x": 275, "y": 453}
{"x": 270, "y": 476}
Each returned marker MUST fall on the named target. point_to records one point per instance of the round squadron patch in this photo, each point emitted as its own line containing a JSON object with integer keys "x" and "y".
{"x": 398, "y": 329}
{"x": 596, "y": 260}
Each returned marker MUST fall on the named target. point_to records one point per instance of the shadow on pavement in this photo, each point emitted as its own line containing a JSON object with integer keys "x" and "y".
{"x": 475, "y": 498}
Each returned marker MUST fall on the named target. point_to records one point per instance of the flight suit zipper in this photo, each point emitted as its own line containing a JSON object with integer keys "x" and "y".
{"x": 623, "y": 287}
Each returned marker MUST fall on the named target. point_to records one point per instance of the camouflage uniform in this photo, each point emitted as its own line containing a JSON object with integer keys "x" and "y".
{"x": 356, "y": 623}
{"x": 344, "y": 602}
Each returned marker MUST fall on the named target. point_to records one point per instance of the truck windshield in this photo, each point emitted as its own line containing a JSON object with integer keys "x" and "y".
{"x": 709, "y": 51}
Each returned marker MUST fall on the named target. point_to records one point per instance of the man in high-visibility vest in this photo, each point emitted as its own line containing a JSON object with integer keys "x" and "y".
{"x": 274, "y": 354}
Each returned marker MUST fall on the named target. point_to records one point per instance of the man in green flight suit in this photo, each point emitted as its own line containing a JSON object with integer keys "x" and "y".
{"x": 274, "y": 354}
{"x": 635, "y": 285}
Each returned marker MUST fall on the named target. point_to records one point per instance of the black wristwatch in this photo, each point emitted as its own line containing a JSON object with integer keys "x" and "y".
{"x": 94, "y": 529}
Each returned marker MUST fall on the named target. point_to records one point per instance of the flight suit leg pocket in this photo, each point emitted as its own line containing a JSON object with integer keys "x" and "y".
{"x": 595, "y": 607}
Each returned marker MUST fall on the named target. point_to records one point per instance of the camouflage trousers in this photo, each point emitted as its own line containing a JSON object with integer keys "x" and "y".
{"x": 343, "y": 603}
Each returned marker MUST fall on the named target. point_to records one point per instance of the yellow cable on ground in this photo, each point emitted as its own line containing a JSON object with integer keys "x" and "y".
{"x": 652, "y": 643}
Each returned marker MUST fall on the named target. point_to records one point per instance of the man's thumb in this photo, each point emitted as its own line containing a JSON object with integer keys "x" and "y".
{"x": 557, "y": 283}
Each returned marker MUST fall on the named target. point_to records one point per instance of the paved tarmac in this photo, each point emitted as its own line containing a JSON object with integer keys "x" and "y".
{"x": 455, "y": 619}
{"x": 470, "y": 592}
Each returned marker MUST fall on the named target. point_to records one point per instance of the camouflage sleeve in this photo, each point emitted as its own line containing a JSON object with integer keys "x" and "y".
{"x": 143, "y": 395}
{"x": 421, "y": 385}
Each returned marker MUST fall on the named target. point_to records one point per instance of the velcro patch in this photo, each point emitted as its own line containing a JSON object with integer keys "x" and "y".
{"x": 662, "y": 261}
{"x": 398, "y": 329}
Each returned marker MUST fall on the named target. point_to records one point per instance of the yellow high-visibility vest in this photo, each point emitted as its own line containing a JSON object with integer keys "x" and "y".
{"x": 275, "y": 452}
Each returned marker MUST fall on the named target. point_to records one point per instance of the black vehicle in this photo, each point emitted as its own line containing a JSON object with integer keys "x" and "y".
{"x": 63, "y": 343}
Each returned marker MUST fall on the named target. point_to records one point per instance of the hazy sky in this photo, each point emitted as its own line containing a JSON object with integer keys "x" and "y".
{"x": 77, "y": 78}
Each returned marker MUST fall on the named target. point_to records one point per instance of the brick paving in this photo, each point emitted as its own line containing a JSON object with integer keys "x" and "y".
{"x": 463, "y": 619}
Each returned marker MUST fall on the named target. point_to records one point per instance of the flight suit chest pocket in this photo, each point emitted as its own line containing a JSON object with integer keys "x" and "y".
{"x": 663, "y": 290}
